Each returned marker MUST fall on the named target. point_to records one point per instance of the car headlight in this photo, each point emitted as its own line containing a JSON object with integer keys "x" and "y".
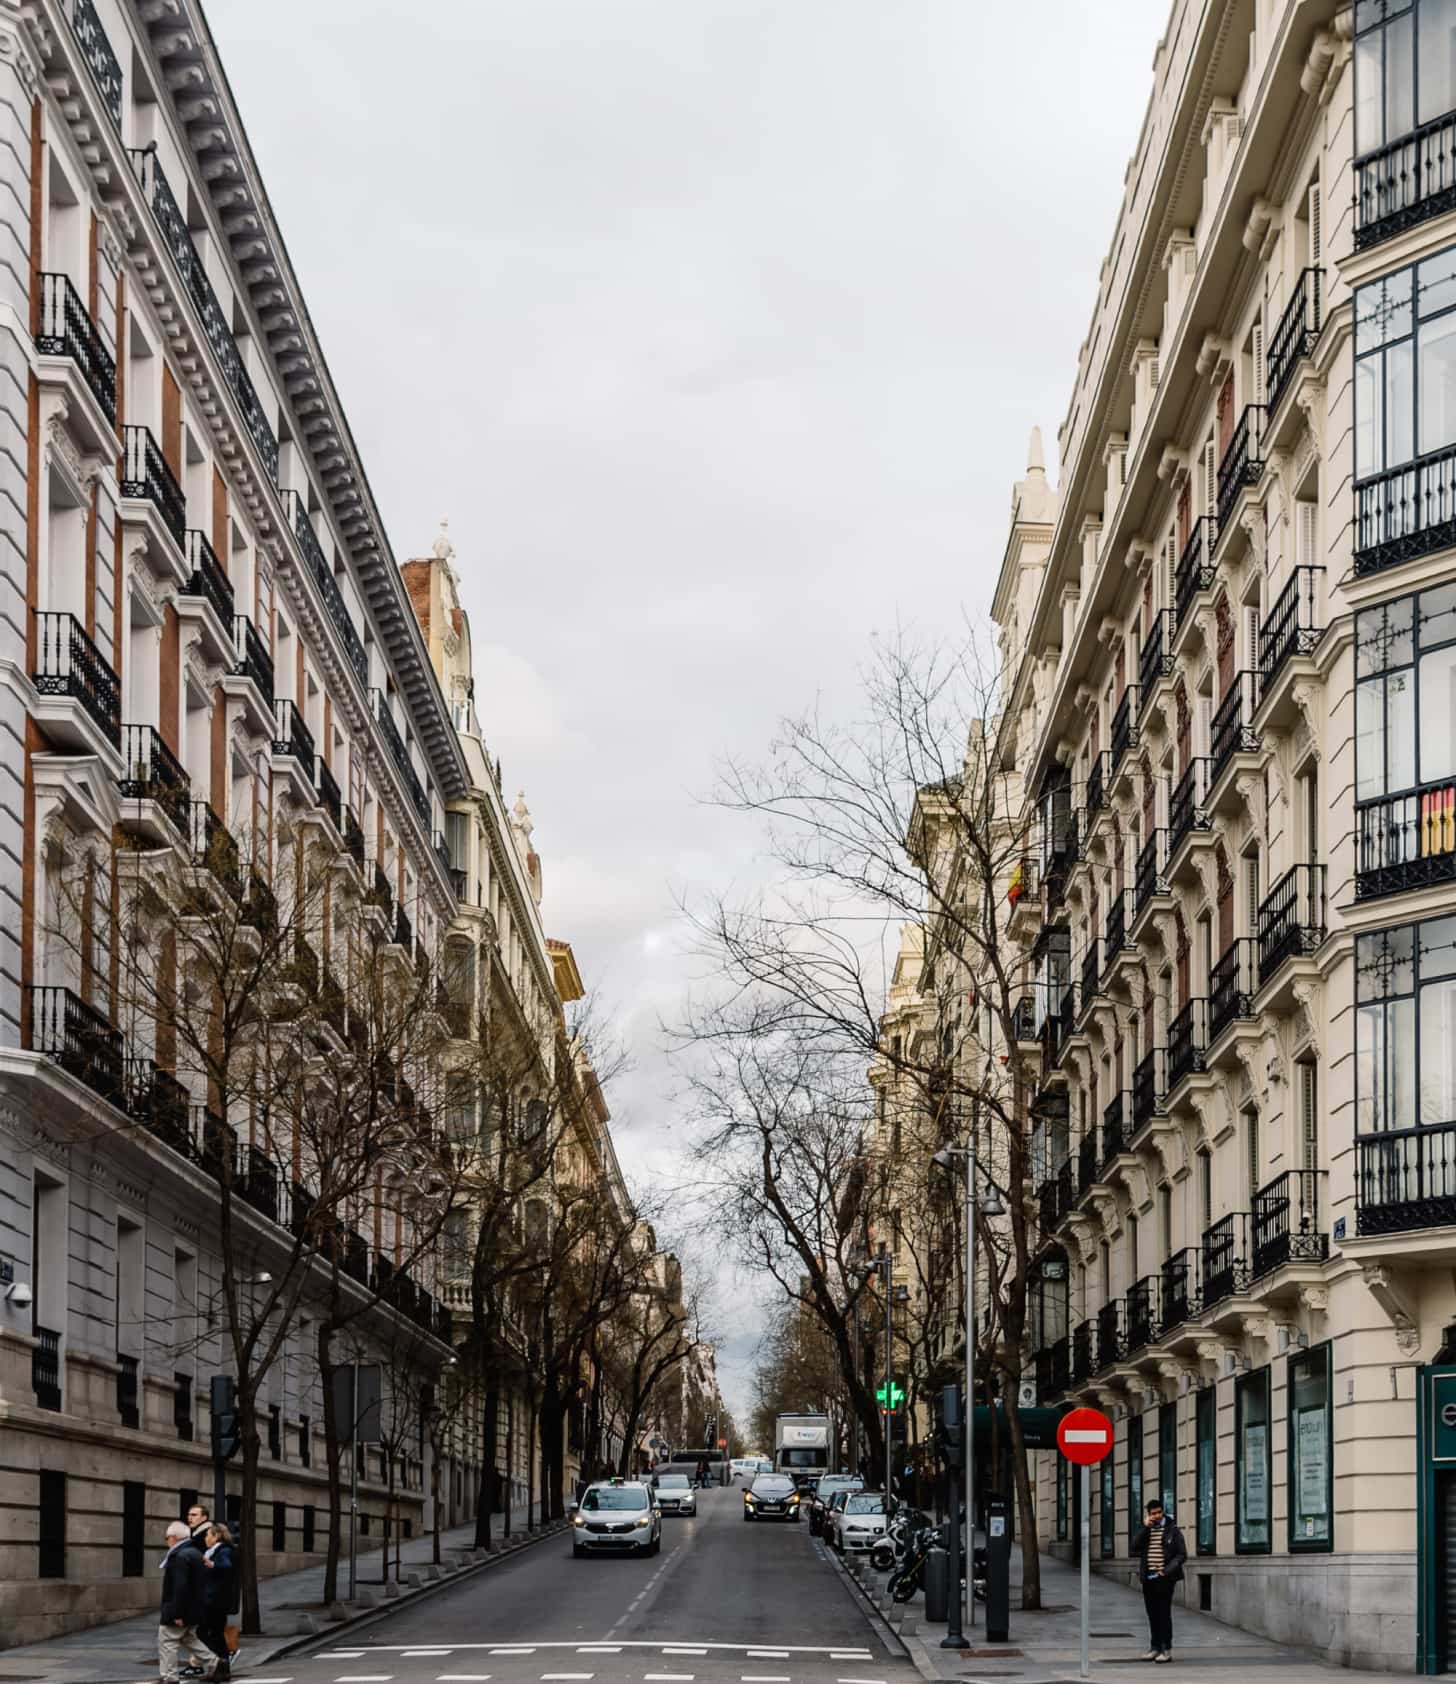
{"x": 795, "y": 1498}
{"x": 749, "y": 1498}
{"x": 646, "y": 1520}
{"x": 578, "y": 1520}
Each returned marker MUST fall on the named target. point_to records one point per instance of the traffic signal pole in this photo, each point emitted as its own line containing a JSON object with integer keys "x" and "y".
{"x": 953, "y": 1443}
{"x": 889, "y": 1375}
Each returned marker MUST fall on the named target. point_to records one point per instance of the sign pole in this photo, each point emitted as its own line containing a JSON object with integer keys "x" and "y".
{"x": 1086, "y": 1529}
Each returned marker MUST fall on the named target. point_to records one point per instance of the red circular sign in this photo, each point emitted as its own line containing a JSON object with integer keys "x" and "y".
{"x": 1085, "y": 1436}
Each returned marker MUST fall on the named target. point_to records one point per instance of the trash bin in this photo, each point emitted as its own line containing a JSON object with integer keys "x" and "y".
{"x": 937, "y": 1585}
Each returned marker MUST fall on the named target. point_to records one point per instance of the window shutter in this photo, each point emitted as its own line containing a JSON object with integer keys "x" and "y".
{"x": 1309, "y": 1114}
{"x": 1170, "y": 554}
{"x": 1153, "y": 375}
{"x": 1257, "y": 348}
{"x": 1210, "y": 478}
{"x": 1251, "y": 637}
{"x": 1315, "y": 232}
{"x": 1304, "y": 534}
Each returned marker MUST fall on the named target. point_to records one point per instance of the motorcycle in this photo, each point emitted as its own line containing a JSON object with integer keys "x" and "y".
{"x": 910, "y": 1577}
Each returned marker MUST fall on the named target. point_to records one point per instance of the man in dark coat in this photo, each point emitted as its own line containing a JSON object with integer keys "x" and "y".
{"x": 1161, "y": 1555}
{"x": 184, "y": 1601}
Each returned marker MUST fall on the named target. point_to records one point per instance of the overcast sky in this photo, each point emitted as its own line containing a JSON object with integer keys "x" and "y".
{"x": 717, "y": 329}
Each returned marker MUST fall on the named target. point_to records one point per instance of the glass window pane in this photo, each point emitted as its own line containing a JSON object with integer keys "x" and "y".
{"x": 1400, "y": 78}
{"x": 1383, "y": 311}
{"x": 1369, "y": 131}
{"x": 1399, "y": 620}
{"x": 1437, "y": 616}
{"x": 1206, "y": 1471}
{"x": 1437, "y": 58}
{"x": 1438, "y": 383}
{"x": 1369, "y": 1057}
{"x": 1436, "y": 284}
{"x": 1438, "y": 1053}
{"x": 1438, "y": 732}
{"x": 1400, "y": 1069}
{"x": 1437, "y": 951}
{"x": 1369, "y": 416}
{"x": 1369, "y": 642}
{"x": 1400, "y": 730}
{"x": 1309, "y": 1450}
{"x": 1399, "y": 405}
{"x": 1251, "y": 1485}
{"x": 1370, "y": 739}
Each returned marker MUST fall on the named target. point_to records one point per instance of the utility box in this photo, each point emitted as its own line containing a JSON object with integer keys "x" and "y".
{"x": 937, "y": 1585}
{"x": 998, "y": 1569}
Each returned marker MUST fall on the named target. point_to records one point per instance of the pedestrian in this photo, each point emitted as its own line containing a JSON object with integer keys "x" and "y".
{"x": 198, "y": 1521}
{"x": 701, "y": 1473}
{"x": 220, "y": 1587}
{"x": 184, "y": 1602}
{"x": 1161, "y": 1555}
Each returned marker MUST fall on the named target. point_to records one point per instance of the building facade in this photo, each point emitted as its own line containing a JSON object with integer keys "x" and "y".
{"x": 1229, "y": 696}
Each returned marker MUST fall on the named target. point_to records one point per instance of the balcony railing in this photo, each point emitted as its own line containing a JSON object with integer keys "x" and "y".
{"x": 1188, "y": 804}
{"x": 208, "y": 578}
{"x": 1140, "y": 1309}
{"x": 1406, "y": 512}
{"x": 1084, "y": 1351}
{"x": 1233, "y": 725}
{"x": 330, "y": 799}
{"x": 151, "y": 772}
{"x": 258, "y": 1182}
{"x": 1088, "y": 1161}
{"x": 1195, "y": 570}
{"x": 1124, "y": 725}
{"x": 159, "y": 1102}
{"x": 1023, "y": 1019}
{"x": 1405, "y": 182}
{"x": 1287, "y": 1220}
{"x": 1150, "y": 1083}
{"x": 260, "y": 905}
{"x": 1114, "y": 929}
{"x": 214, "y": 850}
{"x": 217, "y": 1145}
{"x": 1109, "y": 1333}
{"x": 1066, "y": 1017}
{"x": 66, "y": 330}
{"x": 1406, "y": 1180}
{"x": 353, "y": 837}
{"x": 379, "y": 892}
{"x": 253, "y": 660}
{"x": 1405, "y": 841}
{"x": 74, "y": 1035}
{"x": 1098, "y": 774}
{"x": 1155, "y": 658}
{"x": 323, "y": 576}
{"x": 1046, "y": 1203}
{"x": 128, "y": 1391}
{"x": 145, "y": 475}
{"x": 1066, "y": 1191}
{"x": 1231, "y": 986}
{"x": 404, "y": 935}
{"x": 45, "y": 1368}
{"x": 100, "y": 56}
{"x": 1179, "y": 1287}
{"x": 1294, "y": 334}
{"x": 1243, "y": 461}
{"x": 1225, "y": 1258}
{"x": 1053, "y": 1370}
{"x": 1091, "y": 971}
{"x": 399, "y": 753}
{"x": 292, "y": 736}
{"x": 172, "y": 225}
{"x": 1293, "y": 625}
{"x": 1291, "y": 918}
{"x": 1117, "y": 1127}
{"x": 1187, "y": 1041}
{"x": 1152, "y": 862}
{"x": 68, "y": 663}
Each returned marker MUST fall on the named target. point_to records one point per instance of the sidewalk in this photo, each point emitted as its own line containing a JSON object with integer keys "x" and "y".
{"x": 1046, "y": 1646}
{"x": 291, "y": 1606}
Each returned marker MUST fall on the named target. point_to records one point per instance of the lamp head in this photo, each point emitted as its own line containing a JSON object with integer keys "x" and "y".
{"x": 991, "y": 1204}
{"x": 943, "y": 1159}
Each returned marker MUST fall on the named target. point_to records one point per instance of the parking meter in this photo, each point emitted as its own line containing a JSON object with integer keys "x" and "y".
{"x": 998, "y": 1569}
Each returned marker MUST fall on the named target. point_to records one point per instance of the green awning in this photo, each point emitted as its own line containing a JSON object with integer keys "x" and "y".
{"x": 1038, "y": 1425}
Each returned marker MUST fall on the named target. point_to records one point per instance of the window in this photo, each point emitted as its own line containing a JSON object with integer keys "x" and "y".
{"x": 1206, "y": 1472}
{"x": 52, "y": 1525}
{"x": 275, "y": 1432}
{"x": 1251, "y": 1464}
{"x": 1405, "y": 742}
{"x": 1310, "y": 1460}
{"x": 1405, "y": 412}
{"x": 1405, "y": 992}
{"x": 133, "y": 1529}
{"x": 310, "y": 1522}
{"x": 1134, "y": 1478}
{"x": 1168, "y": 1457}
{"x": 305, "y": 1427}
{"x": 1405, "y": 80}
{"x": 1205, "y": 1191}
{"x": 1108, "y": 1538}
{"x": 280, "y": 1527}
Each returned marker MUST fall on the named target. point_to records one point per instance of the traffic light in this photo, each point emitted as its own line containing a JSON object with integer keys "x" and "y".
{"x": 952, "y": 1434}
{"x": 226, "y": 1426}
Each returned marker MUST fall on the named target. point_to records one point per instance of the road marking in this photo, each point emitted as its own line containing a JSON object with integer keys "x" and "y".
{"x": 382, "y": 1650}
{"x": 861, "y": 1681}
{"x": 412, "y": 1653}
{"x": 768, "y": 1654}
{"x": 577, "y": 1676}
{"x": 667, "y": 1678}
{"x": 365, "y": 1678}
{"x": 674, "y": 1651}
{"x": 599, "y": 1649}
{"x": 341, "y": 1655}
{"x": 765, "y": 1678}
{"x": 463, "y": 1678}
{"x": 530, "y": 1651}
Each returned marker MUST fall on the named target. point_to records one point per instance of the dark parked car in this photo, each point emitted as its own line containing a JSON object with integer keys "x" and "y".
{"x": 828, "y": 1485}
{"x": 772, "y": 1496}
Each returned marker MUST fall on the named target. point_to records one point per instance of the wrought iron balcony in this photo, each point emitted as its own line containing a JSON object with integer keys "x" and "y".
{"x": 303, "y": 968}
{"x": 1155, "y": 658}
{"x": 1099, "y": 774}
{"x": 217, "y": 1145}
{"x": 1066, "y": 1191}
{"x": 45, "y": 1368}
{"x": 145, "y": 475}
{"x": 128, "y": 1391}
{"x": 1405, "y": 182}
{"x": 1225, "y": 1258}
{"x": 1188, "y": 804}
{"x": 1046, "y": 1201}
{"x": 379, "y": 892}
{"x": 1179, "y": 1287}
{"x": 1294, "y": 334}
{"x": 1233, "y": 725}
{"x": 399, "y": 753}
{"x": 254, "y": 662}
{"x": 1405, "y": 841}
{"x": 1405, "y": 512}
{"x": 1293, "y": 625}
{"x": 74, "y": 1035}
{"x": 1067, "y": 1018}
{"x": 353, "y": 838}
{"x": 1242, "y": 464}
{"x": 1091, "y": 973}
{"x": 1195, "y": 570}
{"x": 100, "y": 56}
{"x": 323, "y": 576}
{"x": 258, "y": 1182}
{"x": 260, "y": 906}
{"x": 1151, "y": 1081}
{"x": 1023, "y": 1019}
{"x": 1109, "y": 1334}
{"x": 332, "y": 1008}
{"x": 1088, "y": 1162}
{"x": 1291, "y": 918}
{"x": 159, "y": 1102}
{"x": 404, "y": 934}
{"x": 1152, "y": 863}
{"x": 1406, "y": 1180}
{"x": 68, "y": 664}
{"x": 1187, "y": 1042}
{"x": 1231, "y": 986}
{"x": 1288, "y": 1222}
{"x": 1114, "y": 928}
{"x": 1140, "y": 1310}
{"x": 1084, "y": 1351}
{"x": 1124, "y": 725}
{"x": 292, "y": 736}
{"x": 151, "y": 772}
{"x": 208, "y": 580}
{"x": 1053, "y": 1370}
{"x": 214, "y": 850}
{"x": 1117, "y": 1127}
{"x": 328, "y": 793}
{"x": 66, "y": 330}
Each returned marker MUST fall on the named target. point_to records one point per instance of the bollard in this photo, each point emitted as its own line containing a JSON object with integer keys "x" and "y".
{"x": 937, "y": 1585}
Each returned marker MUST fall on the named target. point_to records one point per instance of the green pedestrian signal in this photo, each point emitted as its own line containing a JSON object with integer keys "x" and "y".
{"x": 891, "y": 1396}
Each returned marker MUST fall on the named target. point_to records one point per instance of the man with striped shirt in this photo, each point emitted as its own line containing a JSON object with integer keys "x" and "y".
{"x": 1161, "y": 1554}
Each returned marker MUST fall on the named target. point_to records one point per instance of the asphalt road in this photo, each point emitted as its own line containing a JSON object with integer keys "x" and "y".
{"x": 723, "y": 1603}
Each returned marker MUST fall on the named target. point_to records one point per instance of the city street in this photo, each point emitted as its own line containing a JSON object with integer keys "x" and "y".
{"x": 723, "y": 1603}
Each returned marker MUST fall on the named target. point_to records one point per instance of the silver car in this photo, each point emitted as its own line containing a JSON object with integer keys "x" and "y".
{"x": 860, "y": 1522}
{"x": 675, "y": 1494}
{"x": 616, "y": 1517}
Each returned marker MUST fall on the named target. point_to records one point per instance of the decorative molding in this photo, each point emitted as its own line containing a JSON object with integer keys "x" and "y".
{"x": 12, "y": 50}
{"x": 1391, "y": 1298}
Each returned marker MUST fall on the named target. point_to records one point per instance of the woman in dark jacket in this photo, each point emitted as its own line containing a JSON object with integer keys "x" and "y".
{"x": 220, "y": 1582}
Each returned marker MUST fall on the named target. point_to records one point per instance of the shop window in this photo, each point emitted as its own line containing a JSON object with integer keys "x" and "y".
{"x": 1311, "y": 1451}
{"x": 1206, "y": 1469}
{"x": 1252, "y": 1476}
{"x": 1134, "y": 1478}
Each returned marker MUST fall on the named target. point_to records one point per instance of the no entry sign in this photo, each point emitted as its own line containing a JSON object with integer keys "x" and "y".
{"x": 1085, "y": 1436}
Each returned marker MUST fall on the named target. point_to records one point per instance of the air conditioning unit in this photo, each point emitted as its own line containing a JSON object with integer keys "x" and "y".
{"x": 1026, "y": 1395}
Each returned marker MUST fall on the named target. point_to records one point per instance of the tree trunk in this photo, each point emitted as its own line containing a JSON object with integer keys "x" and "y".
{"x": 490, "y": 1421}
{"x": 331, "y": 1461}
{"x": 248, "y": 1512}
{"x": 530, "y": 1461}
{"x": 435, "y": 1494}
{"x": 1026, "y": 1504}
{"x": 510, "y": 1461}
{"x": 389, "y": 1515}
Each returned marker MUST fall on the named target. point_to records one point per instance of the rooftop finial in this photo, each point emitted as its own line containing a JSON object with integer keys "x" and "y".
{"x": 444, "y": 549}
{"x": 1035, "y": 459}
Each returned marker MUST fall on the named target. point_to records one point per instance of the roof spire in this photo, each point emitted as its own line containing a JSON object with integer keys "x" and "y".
{"x": 1035, "y": 460}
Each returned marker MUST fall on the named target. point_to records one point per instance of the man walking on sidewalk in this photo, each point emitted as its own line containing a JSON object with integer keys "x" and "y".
{"x": 184, "y": 1600}
{"x": 1161, "y": 1555}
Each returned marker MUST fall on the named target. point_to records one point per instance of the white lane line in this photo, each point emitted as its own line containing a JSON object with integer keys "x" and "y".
{"x": 765, "y": 1678}
{"x": 667, "y": 1678}
{"x": 530, "y": 1651}
{"x": 577, "y": 1677}
{"x": 409, "y": 1654}
{"x": 768, "y": 1654}
{"x": 861, "y": 1681}
{"x": 365, "y": 1678}
{"x": 340, "y": 1655}
{"x": 667, "y": 1651}
{"x": 462, "y": 1678}
{"x": 599, "y": 1649}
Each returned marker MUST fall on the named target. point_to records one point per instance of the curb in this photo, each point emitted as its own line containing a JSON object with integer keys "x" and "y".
{"x": 888, "y": 1635}
{"x": 367, "y": 1618}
